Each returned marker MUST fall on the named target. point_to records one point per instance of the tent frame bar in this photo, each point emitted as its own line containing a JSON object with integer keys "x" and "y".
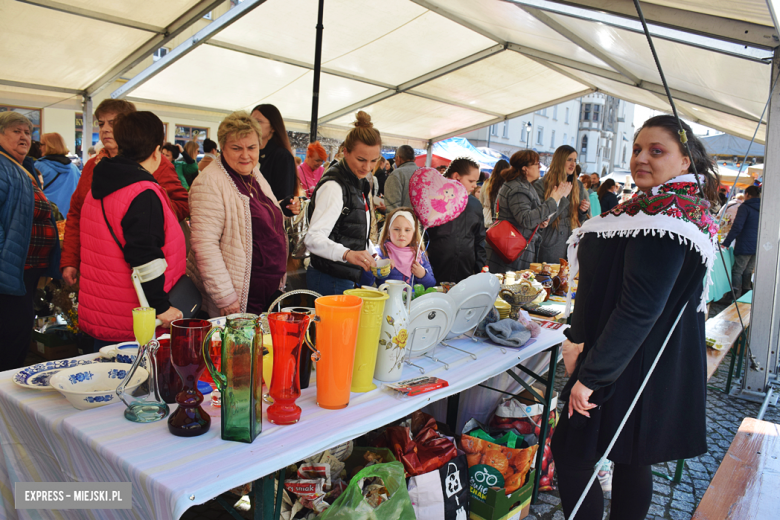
{"x": 202, "y": 36}
{"x": 711, "y": 26}
{"x": 184, "y": 22}
{"x": 315, "y": 96}
{"x": 535, "y": 4}
{"x": 37, "y": 86}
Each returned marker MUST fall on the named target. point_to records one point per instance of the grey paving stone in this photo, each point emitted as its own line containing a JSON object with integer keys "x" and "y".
{"x": 657, "y": 510}
{"x": 679, "y": 515}
{"x": 558, "y": 515}
{"x": 660, "y": 499}
{"x": 683, "y": 505}
{"x": 550, "y": 499}
{"x": 541, "y": 509}
{"x": 662, "y": 488}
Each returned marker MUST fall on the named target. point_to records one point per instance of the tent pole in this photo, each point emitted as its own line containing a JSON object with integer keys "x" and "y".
{"x": 86, "y": 127}
{"x": 429, "y": 155}
{"x": 315, "y": 97}
{"x": 766, "y": 291}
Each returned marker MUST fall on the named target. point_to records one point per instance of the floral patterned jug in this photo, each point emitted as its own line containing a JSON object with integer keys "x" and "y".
{"x": 394, "y": 334}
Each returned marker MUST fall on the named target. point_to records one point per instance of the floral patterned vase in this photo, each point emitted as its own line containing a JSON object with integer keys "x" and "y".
{"x": 393, "y": 336}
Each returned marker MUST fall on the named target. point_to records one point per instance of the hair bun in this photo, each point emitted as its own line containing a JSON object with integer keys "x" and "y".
{"x": 363, "y": 120}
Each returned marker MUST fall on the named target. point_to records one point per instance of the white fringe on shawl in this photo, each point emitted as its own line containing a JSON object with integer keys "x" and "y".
{"x": 684, "y": 232}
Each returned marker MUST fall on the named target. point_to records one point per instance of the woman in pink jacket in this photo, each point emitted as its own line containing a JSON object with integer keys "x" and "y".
{"x": 238, "y": 245}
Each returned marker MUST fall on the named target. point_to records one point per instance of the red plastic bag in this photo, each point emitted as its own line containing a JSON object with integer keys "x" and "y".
{"x": 420, "y": 448}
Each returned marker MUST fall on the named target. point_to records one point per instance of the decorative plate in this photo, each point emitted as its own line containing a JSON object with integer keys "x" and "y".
{"x": 430, "y": 320}
{"x": 37, "y": 376}
{"x": 473, "y": 297}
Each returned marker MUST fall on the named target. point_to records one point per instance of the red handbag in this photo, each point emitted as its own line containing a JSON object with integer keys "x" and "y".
{"x": 506, "y": 240}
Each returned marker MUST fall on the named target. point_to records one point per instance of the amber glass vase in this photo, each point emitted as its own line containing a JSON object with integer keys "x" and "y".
{"x": 189, "y": 419}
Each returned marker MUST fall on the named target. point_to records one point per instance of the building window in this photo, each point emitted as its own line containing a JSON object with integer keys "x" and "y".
{"x": 493, "y": 129}
{"x": 506, "y": 130}
{"x": 565, "y": 141}
{"x": 584, "y": 148}
{"x": 586, "y": 112}
{"x": 524, "y": 132}
{"x": 596, "y": 110}
{"x": 540, "y": 135}
{"x": 552, "y": 139}
{"x": 33, "y": 114}
{"x": 185, "y": 134}
{"x": 624, "y": 154}
{"x": 572, "y": 142}
{"x": 555, "y": 112}
{"x": 160, "y": 53}
{"x": 567, "y": 116}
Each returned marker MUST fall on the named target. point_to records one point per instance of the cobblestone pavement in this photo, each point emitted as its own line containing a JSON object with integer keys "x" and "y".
{"x": 670, "y": 501}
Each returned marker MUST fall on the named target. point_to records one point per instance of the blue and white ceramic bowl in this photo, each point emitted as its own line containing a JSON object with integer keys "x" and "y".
{"x": 121, "y": 352}
{"x": 95, "y": 385}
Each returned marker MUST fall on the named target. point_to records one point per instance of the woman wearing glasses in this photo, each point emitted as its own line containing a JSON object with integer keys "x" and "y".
{"x": 519, "y": 204}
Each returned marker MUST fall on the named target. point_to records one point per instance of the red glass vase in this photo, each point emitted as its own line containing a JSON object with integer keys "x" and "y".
{"x": 168, "y": 381}
{"x": 189, "y": 419}
{"x": 288, "y": 331}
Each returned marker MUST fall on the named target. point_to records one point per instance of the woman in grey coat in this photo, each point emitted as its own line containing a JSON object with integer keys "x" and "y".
{"x": 520, "y": 205}
{"x": 573, "y": 209}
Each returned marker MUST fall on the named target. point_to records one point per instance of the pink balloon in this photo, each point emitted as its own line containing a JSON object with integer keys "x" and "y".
{"x": 436, "y": 199}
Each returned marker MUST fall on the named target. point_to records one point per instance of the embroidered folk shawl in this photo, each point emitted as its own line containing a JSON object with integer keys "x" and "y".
{"x": 672, "y": 209}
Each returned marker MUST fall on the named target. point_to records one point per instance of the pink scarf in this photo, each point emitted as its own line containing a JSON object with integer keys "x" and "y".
{"x": 402, "y": 257}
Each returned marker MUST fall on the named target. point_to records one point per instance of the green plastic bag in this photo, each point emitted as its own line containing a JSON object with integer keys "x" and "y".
{"x": 352, "y": 506}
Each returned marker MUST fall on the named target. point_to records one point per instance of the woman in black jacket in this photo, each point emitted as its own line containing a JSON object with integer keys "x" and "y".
{"x": 457, "y": 249}
{"x": 607, "y": 195}
{"x": 277, "y": 161}
{"x": 519, "y": 204}
{"x": 641, "y": 267}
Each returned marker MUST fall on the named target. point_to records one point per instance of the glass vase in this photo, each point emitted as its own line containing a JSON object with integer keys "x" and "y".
{"x": 187, "y": 337}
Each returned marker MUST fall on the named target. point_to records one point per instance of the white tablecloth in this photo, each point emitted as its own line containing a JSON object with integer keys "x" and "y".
{"x": 44, "y": 439}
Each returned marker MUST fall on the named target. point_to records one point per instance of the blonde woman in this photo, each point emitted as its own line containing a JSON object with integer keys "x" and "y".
{"x": 60, "y": 175}
{"x": 572, "y": 210}
{"x": 239, "y": 247}
{"x": 340, "y": 216}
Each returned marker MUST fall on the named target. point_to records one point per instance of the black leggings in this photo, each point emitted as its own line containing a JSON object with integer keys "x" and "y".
{"x": 632, "y": 491}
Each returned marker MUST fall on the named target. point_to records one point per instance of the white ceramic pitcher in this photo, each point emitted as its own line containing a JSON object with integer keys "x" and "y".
{"x": 394, "y": 334}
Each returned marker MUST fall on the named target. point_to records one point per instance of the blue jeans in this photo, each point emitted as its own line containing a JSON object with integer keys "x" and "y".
{"x": 326, "y": 284}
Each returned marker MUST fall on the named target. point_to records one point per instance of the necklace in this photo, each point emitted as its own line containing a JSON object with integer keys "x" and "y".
{"x": 249, "y": 186}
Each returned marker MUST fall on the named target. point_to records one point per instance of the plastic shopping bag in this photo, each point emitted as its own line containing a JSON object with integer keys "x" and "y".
{"x": 352, "y": 505}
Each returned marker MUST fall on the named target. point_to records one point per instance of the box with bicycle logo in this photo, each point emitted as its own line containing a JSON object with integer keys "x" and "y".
{"x": 500, "y": 471}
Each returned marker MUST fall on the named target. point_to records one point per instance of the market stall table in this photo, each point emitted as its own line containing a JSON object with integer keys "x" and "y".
{"x": 44, "y": 439}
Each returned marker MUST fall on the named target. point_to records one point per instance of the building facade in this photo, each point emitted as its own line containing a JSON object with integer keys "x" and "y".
{"x": 598, "y": 126}
{"x": 605, "y": 134}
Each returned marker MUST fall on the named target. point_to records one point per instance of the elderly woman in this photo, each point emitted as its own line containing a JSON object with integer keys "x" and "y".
{"x": 127, "y": 223}
{"x": 641, "y": 268}
{"x": 29, "y": 247}
{"x": 519, "y": 204}
{"x": 239, "y": 247}
{"x": 60, "y": 175}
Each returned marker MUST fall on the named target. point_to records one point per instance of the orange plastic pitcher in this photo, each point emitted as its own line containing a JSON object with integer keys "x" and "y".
{"x": 337, "y": 329}
{"x": 368, "y": 338}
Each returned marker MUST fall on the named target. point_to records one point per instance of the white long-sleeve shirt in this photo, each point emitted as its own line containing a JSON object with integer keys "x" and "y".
{"x": 328, "y": 205}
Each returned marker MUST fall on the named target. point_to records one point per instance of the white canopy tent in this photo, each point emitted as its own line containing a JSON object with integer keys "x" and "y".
{"x": 425, "y": 70}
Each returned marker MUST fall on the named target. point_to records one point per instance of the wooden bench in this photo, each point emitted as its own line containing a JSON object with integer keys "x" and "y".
{"x": 747, "y": 483}
{"x": 727, "y": 327}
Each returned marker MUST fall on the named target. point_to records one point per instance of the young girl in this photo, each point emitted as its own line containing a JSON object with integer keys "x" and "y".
{"x": 399, "y": 242}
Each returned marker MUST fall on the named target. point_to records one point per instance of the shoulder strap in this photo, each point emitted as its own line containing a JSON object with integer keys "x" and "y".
{"x": 20, "y": 166}
{"x": 110, "y": 229}
{"x": 52, "y": 181}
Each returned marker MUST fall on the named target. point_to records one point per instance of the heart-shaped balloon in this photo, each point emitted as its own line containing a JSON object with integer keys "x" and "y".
{"x": 436, "y": 199}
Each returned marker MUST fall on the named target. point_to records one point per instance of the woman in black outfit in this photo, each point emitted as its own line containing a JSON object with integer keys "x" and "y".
{"x": 277, "y": 161}
{"x": 606, "y": 194}
{"x": 634, "y": 283}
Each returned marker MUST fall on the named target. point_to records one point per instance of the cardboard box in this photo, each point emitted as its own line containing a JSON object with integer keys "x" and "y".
{"x": 53, "y": 346}
{"x": 499, "y": 506}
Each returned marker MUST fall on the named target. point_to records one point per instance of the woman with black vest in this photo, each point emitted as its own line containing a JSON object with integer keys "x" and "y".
{"x": 339, "y": 214}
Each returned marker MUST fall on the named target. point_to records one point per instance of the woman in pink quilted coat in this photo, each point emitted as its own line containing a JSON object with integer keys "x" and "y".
{"x": 238, "y": 244}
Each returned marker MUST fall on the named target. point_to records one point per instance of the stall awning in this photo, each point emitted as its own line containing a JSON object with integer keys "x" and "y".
{"x": 426, "y": 70}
